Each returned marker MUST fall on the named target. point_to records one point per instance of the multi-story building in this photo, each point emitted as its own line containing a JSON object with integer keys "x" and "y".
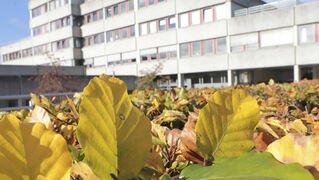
{"x": 198, "y": 42}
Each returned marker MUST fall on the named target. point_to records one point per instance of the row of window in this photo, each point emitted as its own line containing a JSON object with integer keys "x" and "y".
{"x": 204, "y": 15}
{"x": 122, "y": 58}
{"x": 200, "y": 48}
{"x": 40, "y": 29}
{"x": 44, "y": 8}
{"x": 120, "y": 8}
{"x": 146, "y": 3}
{"x": 121, "y": 33}
{"x": 95, "y": 39}
{"x": 167, "y": 52}
{"x": 158, "y": 25}
{"x": 61, "y": 44}
{"x": 93, "y": 16}
{"x": 308, "y": 33}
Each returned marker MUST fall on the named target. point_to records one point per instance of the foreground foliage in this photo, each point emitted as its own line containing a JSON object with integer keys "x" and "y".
{"x": 193, "y": 134}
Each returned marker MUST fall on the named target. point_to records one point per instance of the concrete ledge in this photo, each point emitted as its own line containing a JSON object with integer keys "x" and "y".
{"x": 157, "y": 39}
{"x": 307, "y": 54}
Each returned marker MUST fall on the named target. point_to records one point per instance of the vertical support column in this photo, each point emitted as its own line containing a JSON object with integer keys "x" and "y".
{"x": 180, "y": 80}
{"x": 229, "y": 77}
{"x": 296, "y": 73}
{"x": 137, "y": 32}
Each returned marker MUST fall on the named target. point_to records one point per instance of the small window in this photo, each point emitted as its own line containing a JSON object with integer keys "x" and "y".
{"x": 183, "y": 19}
{"x": 96, "y": 39}
{"x": 307, "y": 34}
{"x": 160, "y": 1}
{"x": 208, "y": 46}
{"x": 123, "y": 7}
{"x": 184, "y": 49}
{"x": 131, "y": 5}
{"x": 89, "y": 39}
{"x": 163, "y": 55}
{"x": 172, "y": 54}
{"x": 132, "y": 31}
{"x": 172, "y": 22}
{"x": 109, "y": 36}
{"x": 124, "y": 33}
{"x": 153, "y": 56}
{"x": 100, "y": 12}
{"x": 221, "y": 45}
{"x": 196, "y": 47}
{"x": 141, "y": 3}
{"x": 108, "y": 12}
{"x": 150, "y": 2}
{"x": 94, "y": 16}
{"x": 116, "y": 9}
{"x": 88, "y": 18}
{"x": 102, "y": 37}
{"x": 220, "y": 12}
{"x": 143, "y": 29}
{"x": 117, "y": 34}
{"x": 162, "y": 24}
{"x": 68, "y": 21}
{"x": 153, "y": 28}
{"x": 208, "y": 15}
{"x": 195, "y": 17}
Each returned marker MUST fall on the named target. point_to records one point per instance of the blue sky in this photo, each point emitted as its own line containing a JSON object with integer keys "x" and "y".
{"x": 14, "y": 20}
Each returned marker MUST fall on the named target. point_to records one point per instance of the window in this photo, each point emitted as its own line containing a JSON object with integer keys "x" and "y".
{"x": 78, "y": 43}
{"x": 220, "y": 12}
{"x": 96, "y": 39}
{"x": 183, "y": 19}
{"x": 125, "y": 33}
{"x": 141, "y": 3}
{"x": 88, "y": 18}
{"x": 208, "y": 46}
{"x": 150, "y": 2}
{"x": 117, "y": 34}
{"x": 100, "y": 12}
{"x": 276, "y": 37}
{"x": 123, "y": 7}
{"x": 172, "y": 22}
{"x": 307, "y": 34}
{"x": 131, "y": 5}
{"x": 129, "y": 57}
{"x": 132, "y": 31}
{"x": 162, "y": 24}
{"x": 208, "y": 15}
{"x": 196, "y": 48}
{"x": 108, "y": 12}
{"x": 89, "y": 41}
{"x": 195, "y": 17}
{"x": 116, "y": 10}
{"x": 114, "y": 59}
{"x": 94, "y": 16}
{"x": 153, "y": 27}
{"x": 143, "y": 28}
{"x": 109, "y": 36}
{"x": 221, "y": 45}
{"x": 68, "y": 21}
{"x": 244, "y": 42}
{"x": 184, "y": 49}
{"x": 102, "y": 37}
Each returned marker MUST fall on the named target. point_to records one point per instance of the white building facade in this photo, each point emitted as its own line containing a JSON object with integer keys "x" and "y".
{"x": 198, "y": 43}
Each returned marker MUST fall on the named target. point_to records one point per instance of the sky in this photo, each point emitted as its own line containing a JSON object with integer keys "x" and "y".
{"x": 14, "y": 20}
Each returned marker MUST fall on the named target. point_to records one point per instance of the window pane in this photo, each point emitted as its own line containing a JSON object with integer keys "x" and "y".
{"x": 144, "y": 57}
{"x": 102, "y": 37}
{"x": 117, "y": 34}
{"x": 153, "y": 27}
{"x": 141, "y": 3}
{"x": 172, "y": 54}
{"x": 132, "y": 31}
{"x": 108, "y": 12}
{"x": 109, "y": 36}
{"x": 150, "y": 2}
{"x": 88, "y": 18}
{"x": 221, "y": 45}
{"x": 208, "y": 46}
{"x": 195, "y": 17}
{"x": 196, "y": 47}
{"x": 95, "y": 16}
{"x": 172, "y": 22}
{"x": 184, "y": 49}
{"x": 160, "y": 1}
{"x": 306, "y": 34}
{"x": 163, "y": 55}
{"x": 162, "y": 24}
{"x": 153, "y": 56}
{"x": 116, "y": 10}
{"x": 220, "y": 12}
{"x": 96, "y": 39}
{"x": 100, "y": 14}
{"x": 68, "y": 21}
{"x": 123, "y": 7}
{"x": 183, "y": 18}
{"x": 89, "y": 41}
{"x": 131, "y": 5}
{"x": 143, "y": 29}
{"x": 124, "y": 33}
{"x": 208, "y": 15}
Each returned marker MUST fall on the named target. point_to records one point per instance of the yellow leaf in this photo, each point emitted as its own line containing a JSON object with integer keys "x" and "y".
{"x": 82, "y": 171}
{"x": 30, "y": 151}
{"x": 115, "y": 135}
{"x": 263, "y": 125}
{"x": 297, "y": 126}
{"x": 296, "y": 148}
{"x": 226, "y": 124}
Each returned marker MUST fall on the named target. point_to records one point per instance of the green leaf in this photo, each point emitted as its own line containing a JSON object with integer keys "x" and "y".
{"x": 115, "y": 135}
{"x": 225, "y": 125}
{"x": 251, "y": 165}
{"x": 30, "y": 151}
